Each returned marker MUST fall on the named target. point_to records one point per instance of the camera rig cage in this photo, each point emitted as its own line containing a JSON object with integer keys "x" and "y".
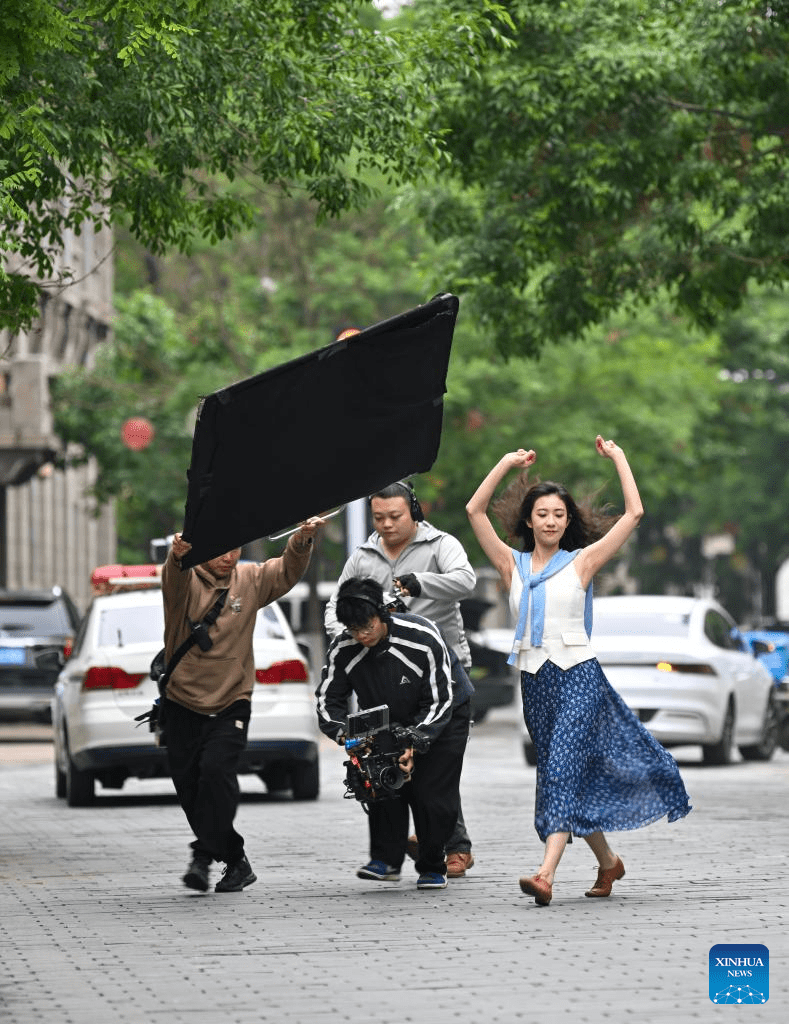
{"x": 375, "y": 747}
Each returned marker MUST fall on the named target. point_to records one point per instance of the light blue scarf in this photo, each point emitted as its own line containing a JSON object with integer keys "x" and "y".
{"x": 536, "y": 584}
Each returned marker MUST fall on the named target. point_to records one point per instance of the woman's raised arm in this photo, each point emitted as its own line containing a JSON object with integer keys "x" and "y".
{"x": 494, "y": 547}
{"x": 595, "y": 556}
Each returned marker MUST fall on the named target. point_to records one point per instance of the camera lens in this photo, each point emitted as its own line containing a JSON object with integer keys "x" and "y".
{"x": 392, "y": 778}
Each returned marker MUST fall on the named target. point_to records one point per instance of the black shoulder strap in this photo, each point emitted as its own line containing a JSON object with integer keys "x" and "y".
{"x": 210, "y": 618}
{"x": 212, "y": 615}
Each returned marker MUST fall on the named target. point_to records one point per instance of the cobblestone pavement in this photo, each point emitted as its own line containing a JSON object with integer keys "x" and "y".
{"x": 97, "y": 929}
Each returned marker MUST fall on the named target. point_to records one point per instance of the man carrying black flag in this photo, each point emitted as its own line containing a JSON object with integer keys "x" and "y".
{"x": 207, "y": 701}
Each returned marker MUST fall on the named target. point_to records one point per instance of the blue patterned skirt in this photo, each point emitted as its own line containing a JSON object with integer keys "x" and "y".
{"x": 598, "y": 768}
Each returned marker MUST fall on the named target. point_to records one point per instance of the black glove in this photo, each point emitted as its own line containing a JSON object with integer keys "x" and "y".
{"x": 410, "y": 584}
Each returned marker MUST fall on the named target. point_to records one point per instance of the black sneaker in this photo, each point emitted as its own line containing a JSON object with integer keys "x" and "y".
{"x": 236, "y": 877}
{"x": 196, "y": 876}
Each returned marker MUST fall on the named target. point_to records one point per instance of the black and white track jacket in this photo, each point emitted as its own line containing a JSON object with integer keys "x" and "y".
{"x": 409, "y": 670}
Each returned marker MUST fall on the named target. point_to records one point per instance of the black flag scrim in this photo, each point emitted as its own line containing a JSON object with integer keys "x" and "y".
{"x": 319, "y": 431}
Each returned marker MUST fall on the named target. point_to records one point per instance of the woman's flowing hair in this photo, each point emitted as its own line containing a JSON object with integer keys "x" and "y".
{"x": 513, "y": 507}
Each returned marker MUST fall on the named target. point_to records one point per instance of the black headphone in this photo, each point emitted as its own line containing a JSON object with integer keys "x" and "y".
{"x": 414, "y": 507}
{"x": 413, "y": 502}
{"x": 379, "y": 607}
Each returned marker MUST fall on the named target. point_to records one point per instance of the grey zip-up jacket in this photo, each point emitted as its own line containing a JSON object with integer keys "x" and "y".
{"x": 441, "y": 565}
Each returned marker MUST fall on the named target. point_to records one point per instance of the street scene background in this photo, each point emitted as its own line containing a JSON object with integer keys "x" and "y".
{"x": 95, "y": 925}
{"x": 190, "y": 197}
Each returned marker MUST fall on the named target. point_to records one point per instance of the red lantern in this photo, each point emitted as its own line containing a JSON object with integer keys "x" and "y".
{"x": 137, "y": 433}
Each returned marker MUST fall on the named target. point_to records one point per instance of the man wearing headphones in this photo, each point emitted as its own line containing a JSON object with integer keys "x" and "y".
{"x": 431, "y": 570}
{"x": 400, "y": 660}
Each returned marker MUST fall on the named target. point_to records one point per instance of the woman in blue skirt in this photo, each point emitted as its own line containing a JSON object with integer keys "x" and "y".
{"x": 598, "y": 768}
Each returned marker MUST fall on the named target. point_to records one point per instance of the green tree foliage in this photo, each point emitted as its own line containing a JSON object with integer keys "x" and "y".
{"x": 703, "y": 416}
{"x": 287, "y": 285}
{"x": 127, "y": 110}
{"x": 145, "y": 371}
{"x": 699, "y": 414}
{"x": 646, "y": 383}
{"x": 617, "y": 150}
{"x": 744, "y": 448}
{"x": 187, "y": 326}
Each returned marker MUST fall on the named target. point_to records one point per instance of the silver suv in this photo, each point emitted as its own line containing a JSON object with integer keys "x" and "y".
{"x": 37, "y": 629}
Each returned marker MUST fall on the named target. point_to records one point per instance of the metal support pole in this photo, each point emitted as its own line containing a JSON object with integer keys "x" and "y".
{"x": 355, "y": 525}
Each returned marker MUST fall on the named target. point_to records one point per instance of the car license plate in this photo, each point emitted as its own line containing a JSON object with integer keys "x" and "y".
{"x": 12, "y": 655}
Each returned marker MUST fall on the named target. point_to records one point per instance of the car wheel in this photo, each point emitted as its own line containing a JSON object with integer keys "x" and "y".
{"x": 305, "y": 780}
{"x": 60, "y": 781}
{"x": 721, "y": 752}
{"x": 530, "y": 753}
{"x": 80, "y": 786}
{"x": 275, "y": 778}
{"x": 768, "y": 741}
{"x": 60, "y": 775}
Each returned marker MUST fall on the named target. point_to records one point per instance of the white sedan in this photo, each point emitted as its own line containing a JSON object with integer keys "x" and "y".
{"x": 105, "y": 684}
{"x": 682, "y": 666}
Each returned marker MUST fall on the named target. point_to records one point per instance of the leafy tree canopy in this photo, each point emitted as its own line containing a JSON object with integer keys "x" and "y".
{"x": 616, "y": 149}
{"x": 132, "y": 111}
{"x": 743, "y": 455}
{"x": 187, "y": 326}
{"x": 700, "y": 414}
{"x": 646, "y": 383}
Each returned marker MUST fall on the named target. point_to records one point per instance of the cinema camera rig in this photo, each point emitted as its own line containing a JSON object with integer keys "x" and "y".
{"x": 375, "y": 747}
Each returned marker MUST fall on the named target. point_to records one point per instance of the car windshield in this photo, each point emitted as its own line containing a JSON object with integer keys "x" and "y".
{"x": 637, "y": 623}
{"x": 34, "y": 618}
{"x": 268, "y": 625}
{"x": 131, "y": 625}
{"x": 145, "y": 624}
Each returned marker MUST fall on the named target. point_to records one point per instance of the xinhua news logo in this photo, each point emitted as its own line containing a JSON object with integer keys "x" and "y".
{"x": 739, "y": 974}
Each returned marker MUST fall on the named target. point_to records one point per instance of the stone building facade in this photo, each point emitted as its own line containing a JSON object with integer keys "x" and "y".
{"x": 49, "y": 531}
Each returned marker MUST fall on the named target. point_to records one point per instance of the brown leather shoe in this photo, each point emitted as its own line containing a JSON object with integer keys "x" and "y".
{"x": 606, "y": 878}
{"x": 537, "y": 887}
{"x": 412, "y": 848}
{"x": 458, "y": 864}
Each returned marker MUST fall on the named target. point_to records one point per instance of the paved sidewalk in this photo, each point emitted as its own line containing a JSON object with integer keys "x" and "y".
{"x": 96, "y": 929}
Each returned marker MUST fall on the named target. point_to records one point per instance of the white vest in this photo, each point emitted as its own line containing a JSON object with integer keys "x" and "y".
{"x": 564, "y": 639}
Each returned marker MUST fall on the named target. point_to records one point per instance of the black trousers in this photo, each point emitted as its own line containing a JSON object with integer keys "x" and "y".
{"x": 203, "y": 752}
{"x": 432, "y": 796}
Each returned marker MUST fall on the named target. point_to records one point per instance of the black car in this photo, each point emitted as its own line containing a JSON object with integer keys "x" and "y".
{"x": 495, "y": 682}
{"x": 37, "y": 629}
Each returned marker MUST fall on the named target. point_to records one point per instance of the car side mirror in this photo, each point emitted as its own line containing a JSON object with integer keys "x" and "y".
{"x": 306, "y": 651}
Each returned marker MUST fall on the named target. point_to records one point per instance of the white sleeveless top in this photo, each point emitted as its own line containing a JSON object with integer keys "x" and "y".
{"x": 564, "y": 639}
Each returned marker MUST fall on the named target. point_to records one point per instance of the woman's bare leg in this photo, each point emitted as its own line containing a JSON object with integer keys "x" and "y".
{"x": 598, "y": 844}
{"x": 554, "y": 848}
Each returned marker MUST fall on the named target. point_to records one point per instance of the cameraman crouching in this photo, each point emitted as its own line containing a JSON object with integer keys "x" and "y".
{"x": 400, "y": 660}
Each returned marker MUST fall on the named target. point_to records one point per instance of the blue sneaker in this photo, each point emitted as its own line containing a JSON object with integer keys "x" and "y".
{"x": 431, "y": 880}
{"x": 379, "y": 871}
